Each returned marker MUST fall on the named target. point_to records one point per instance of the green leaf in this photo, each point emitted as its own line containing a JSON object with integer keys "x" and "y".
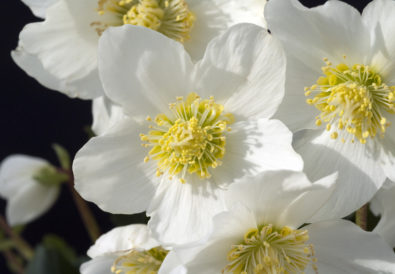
{"x": 63, "y": 156}
{"x": 57, "y": 243}
{"x": 50, "y": 261}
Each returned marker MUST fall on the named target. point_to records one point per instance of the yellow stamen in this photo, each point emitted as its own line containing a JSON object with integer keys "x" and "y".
{"x": 145, "y": 261}
{"x": 354, "y": 98}
{"x": 267, "y": 249}
{"x": 169, "y": 17}
{"x": 192, "y": 140}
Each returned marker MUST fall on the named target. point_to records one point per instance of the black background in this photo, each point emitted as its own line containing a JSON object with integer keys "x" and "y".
{"x": 33, "y": 117}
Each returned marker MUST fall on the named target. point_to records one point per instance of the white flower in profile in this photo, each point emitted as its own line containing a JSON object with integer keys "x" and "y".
{"x": 265, "y": 231}
{"x": 383, "y": 205}
{"x": 61, "y": 52}
{"x": 30, "y": 186}
{"x": 126, "y": 249}
{"x": 340, "y": 93}
{"x": 210, "y": 125}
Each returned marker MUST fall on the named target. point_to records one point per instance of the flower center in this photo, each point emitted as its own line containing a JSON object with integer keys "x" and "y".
{"x": 191, "y": 140}
{"x": 353, "y": 99}
{"x": 147, "y": 261}
{"x": 267, "y": 250}
{"x": 169, "y": 17}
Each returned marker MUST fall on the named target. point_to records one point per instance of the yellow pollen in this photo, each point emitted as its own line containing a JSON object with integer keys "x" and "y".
{"x": 169, "y": 17}
{"x": 268, "y": 250}
{"x": 190, "y": 141}
{"x": 354, "y": 98}
{"x": 145, "y": 261}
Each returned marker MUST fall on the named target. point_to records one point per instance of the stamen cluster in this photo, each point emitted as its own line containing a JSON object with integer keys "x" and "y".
{"x": 269, "y": 250}
{"x": 169, "y": 17}
{"x": 353, "y": 99}
{"x": 191, "y": 141}
{"x": 146, "y": 261}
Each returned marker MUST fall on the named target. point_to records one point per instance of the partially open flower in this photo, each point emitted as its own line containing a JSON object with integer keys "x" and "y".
{"x": 124, "y": 250}
{"x": 30, "y": 185}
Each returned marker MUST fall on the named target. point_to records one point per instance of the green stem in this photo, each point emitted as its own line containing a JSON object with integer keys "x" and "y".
{"x": 13, "y": 261}
{"x": 21, "y": 245}
{"x": 84, "y": 210}
{"x": 361, "y": 217}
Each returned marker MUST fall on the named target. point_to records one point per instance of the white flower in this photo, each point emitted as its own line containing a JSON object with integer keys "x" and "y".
{"x": 27, "y": 197}
{"x": 127, "y": 249}
{"x": 211, "y": 125}
{"x": 61, "y": 52}
{"x": 383, "y": 204}
{"x": 340, "y": 88}
{"x": 263, "y": 232}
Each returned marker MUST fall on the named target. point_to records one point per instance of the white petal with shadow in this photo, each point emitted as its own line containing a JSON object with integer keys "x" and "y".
{"x": 342, "y": 247}
{"x": 360, "y": 174}
{"x": 146, "y": 79}
{"x": 254, "y": 146}
{"x": 182, "y": 213}
{"x": 251, "y": 65}
{"x": 110, "y": 171}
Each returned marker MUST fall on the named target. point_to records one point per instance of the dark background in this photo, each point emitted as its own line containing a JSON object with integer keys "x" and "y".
{"x": 33, "y": 117}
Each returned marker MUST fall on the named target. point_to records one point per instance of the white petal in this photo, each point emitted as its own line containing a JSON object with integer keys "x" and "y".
{"x": 17, "y": 171}
{"x": 293, "y": 110}
{"x": 99, "y": 265}
{"x": 110, "y": 170}
{"x": 383, "y": 204}
{"x": 330, "y": 30}
{"x": 105, "y": 114}
{"x": 254, "y": 146}
{"x": 147, "y": 78}
{"x": 123, "y": 238}
{"x": 342, "y": 247}
{"x": 255, "y": 60}
{"x": 360, "y": 174}
{"x": 182, "y": 213}
{"x": 172, "y": 265}
{"x": 387, "y": 159}
{"x": 39, "y": 7}
{"x": 281, "y": 198}
{"x": 31, "y": 201}
{"x": 215, "y": 16}
{"x": 84, "y": 88}
{"x": 65, "y": 46}
{"x": 380, "y": 15}
{"x": 247, "y": 11}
